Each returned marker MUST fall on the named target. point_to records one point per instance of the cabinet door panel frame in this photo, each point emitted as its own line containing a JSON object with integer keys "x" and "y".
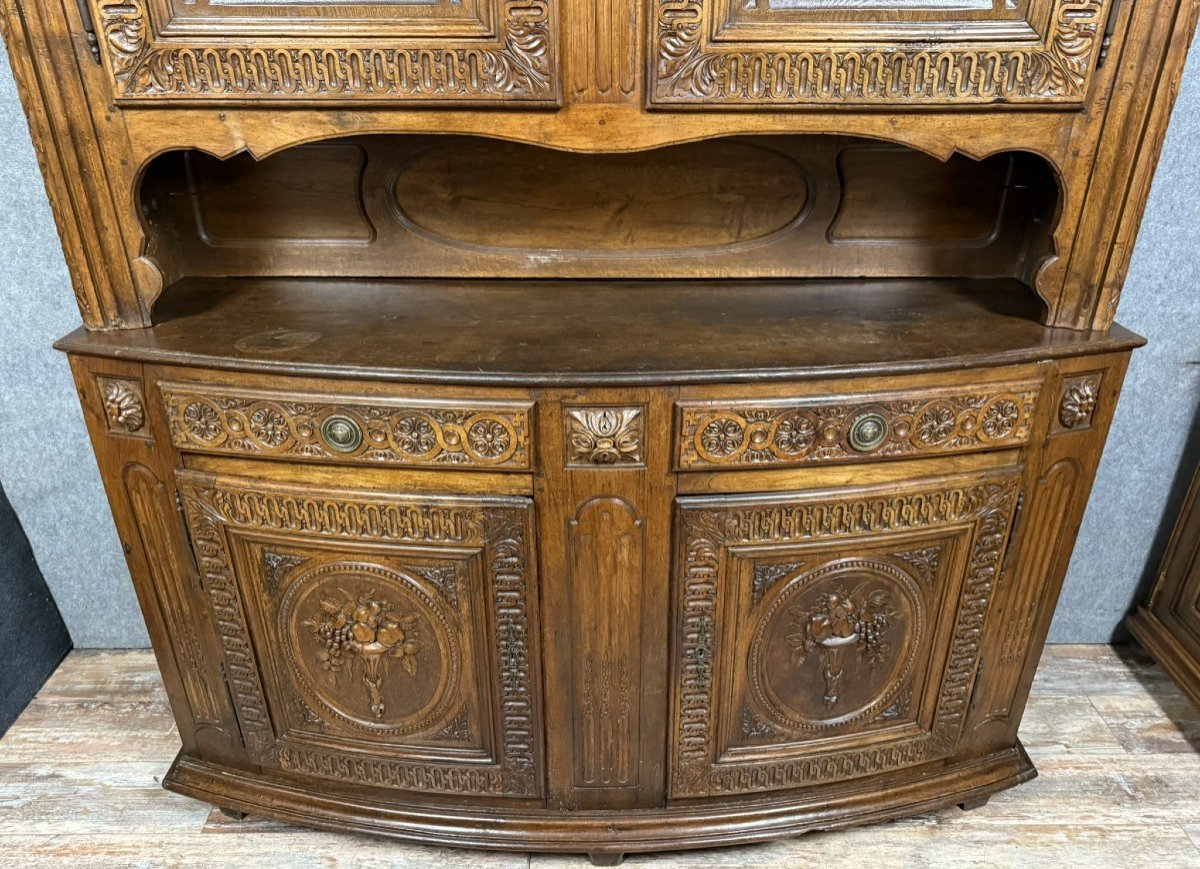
{"x": 508, "y": 54}
{"x": 968, "y": 517}
{"x": 712, "y": 52}
{"x": 325, "y": 530}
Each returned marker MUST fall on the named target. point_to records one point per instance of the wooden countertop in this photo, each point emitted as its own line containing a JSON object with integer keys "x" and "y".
{"x": 579, "y": 332}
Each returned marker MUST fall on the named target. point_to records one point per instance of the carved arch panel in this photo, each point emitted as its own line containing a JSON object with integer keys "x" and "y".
{"x": 377, "y": 640}
{"x": 827, "y": 637}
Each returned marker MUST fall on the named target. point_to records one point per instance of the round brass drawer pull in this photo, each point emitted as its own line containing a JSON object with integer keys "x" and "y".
{"x": 868, "y": 432}
{"x": 341, "y": 433}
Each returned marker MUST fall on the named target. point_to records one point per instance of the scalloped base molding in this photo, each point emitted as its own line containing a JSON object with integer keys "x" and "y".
{"x": 606, "y": 835}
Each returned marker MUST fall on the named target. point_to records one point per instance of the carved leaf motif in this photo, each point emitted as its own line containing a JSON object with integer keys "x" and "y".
{"x": 605, "y": 435}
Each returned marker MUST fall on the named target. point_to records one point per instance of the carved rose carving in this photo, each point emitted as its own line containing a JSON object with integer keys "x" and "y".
{"x": 795, "y": 434}
{"x": 202, "y": 421}
{"x": 935, "y": 424}
{"x": 489, "y": 438}
{"x": 414, "y": 435}
{"x": 1078, "y": 404}
{"x": 722, "y": 437}
{"x": 1000, "y": 418}
{"x": 123, "y": 406}
{"x": 269, "y": 426}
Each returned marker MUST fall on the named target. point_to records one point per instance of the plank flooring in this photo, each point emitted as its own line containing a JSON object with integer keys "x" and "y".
{"x": 1116, "y": 744}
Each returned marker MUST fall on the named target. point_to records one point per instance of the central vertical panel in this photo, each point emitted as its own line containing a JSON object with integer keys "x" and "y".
{"x": 603, "y": 494}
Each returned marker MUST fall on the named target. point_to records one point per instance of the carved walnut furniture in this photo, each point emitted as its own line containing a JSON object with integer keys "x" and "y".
{"x": 1168, "y": 625}
{"x": 597, "y": 426}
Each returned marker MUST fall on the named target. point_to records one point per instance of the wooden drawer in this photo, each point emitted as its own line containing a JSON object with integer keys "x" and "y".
{"x": 739, "y": 433}
{"x": 904, "y": 55}
{"x": 375, "y": 639}
{"x": 434, "y": 51}
{"x": 321, "y": 427}
{"x": 827, "y": 636}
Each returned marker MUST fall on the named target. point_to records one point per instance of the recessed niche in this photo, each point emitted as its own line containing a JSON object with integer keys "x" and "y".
{"x": 801, "y": 206}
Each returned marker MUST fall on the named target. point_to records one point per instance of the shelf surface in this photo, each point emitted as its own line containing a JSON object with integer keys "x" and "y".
{"x": 587, "y": 332}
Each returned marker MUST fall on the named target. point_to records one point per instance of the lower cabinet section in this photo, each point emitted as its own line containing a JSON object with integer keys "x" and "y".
{"x": 600, "y": 648}
{"x": 827, "y": 636}
{"x": 374, "y": 639}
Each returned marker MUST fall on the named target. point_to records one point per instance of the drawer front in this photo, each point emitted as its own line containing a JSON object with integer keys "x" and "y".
{"x": 435, "y": 51}
{"x": 720, "y": 434}
{"x": 263, "y": 423}
{"x": 819, "y": 638}
{"x": 376, "y": 640}
{"x": 907, "y": 54}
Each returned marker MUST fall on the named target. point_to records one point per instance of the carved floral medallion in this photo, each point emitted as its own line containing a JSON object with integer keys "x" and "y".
{"x": 407, "y": 433}
{"x": 123, "y": 406}
{"x": 798, "y": 432}
{"x": 1078, "y": 402}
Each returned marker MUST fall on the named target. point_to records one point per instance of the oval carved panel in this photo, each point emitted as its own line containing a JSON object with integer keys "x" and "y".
{"x": 510, "y": 197}
{"x": 370, "y": 646}
{"x": 836, "y": 644}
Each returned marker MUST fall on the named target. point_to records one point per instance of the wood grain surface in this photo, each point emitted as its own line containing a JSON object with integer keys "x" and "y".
{"x": 1114, "y": 741}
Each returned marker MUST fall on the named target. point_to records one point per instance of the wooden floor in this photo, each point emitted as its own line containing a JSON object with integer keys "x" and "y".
{"x": 1117, "y": 746}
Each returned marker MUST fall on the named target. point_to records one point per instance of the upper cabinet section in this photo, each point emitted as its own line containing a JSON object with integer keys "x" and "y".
{"x": 261, "y": 51}
{"x": 898, "y": 54}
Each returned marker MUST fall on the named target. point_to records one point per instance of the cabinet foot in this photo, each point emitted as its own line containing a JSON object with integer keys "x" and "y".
{"x": 974, "y": 803}
{"x": 606, "y": 858}
{"x": 233, "y": 814}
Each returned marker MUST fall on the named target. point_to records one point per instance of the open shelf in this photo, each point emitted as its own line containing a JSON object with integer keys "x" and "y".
{"x": 560, "y": 332}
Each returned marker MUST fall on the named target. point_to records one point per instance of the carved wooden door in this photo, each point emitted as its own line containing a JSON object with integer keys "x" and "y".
{"x": 895, "y": 53}
{"x": 251, "y": 51}
{"x": 832, "y": 635}
{"x": 375, "y": 639}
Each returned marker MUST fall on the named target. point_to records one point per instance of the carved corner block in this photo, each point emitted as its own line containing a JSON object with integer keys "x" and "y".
{"x": 605, "y": 437}
{"x": 1078, "y": 403}
{"x": 124, "y": 407}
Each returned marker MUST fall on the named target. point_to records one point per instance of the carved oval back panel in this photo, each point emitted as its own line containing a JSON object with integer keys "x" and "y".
{"x": 371, "y": 646}
{"x": 497, "y": 195}
{"x": 836, "y": 644}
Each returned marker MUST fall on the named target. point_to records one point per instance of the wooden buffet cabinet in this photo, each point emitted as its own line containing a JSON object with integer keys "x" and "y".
{"x": 597, "y": 426}
{"x": 1168, "y": 624}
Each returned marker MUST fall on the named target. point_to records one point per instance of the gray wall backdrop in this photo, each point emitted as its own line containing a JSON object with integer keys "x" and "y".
{"x": 47, "y": 467}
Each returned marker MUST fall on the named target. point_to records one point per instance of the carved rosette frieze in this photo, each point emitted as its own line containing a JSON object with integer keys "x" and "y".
{"x": 370, "y": 629}
{"x": 802, "y": 432}
{"x": 1077, "y": 405}
{"x": 423, "y": 434}
{"x": 605, "y": 436}
{"x": 124, "y": 406}
{"x": 874, "y": 614}
{"x": 518, "y": 63}
{"x": 691, "y": 67}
